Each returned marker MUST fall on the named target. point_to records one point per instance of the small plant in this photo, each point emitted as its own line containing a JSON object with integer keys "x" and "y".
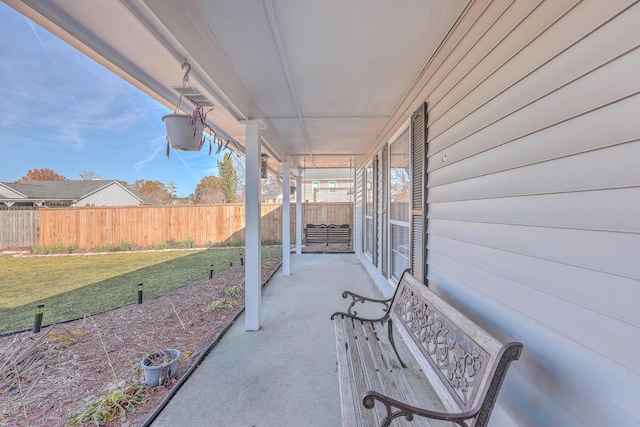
{"x": 126, "y": 246}
{"x": 111, "y": 406}
{"x": 106, "y": 247}
{"x": 157, "y": 246}
{"x": 198, "y": 119}
{"x": 270, "y": 242}
{"x": 160, "y": 367}
{"x": 236, "y": 291}
{"x": 159, "y": 358}
{"x": 219, "y": 304}
{"x": 55, "y": 249}
{"x": 227, "y": 243}
{"x": 184, "y": 244}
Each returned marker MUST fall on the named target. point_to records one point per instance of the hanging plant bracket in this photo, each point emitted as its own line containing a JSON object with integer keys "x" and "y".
{"x": 190, "y": 132}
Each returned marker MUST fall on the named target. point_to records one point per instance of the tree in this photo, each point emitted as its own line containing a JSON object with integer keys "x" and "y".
{"x": 154, "y": 190}
{"x": 239, "y": 165}
{"x": 40, "y": 175}
{"x": 208, "y": 190}
{"x": 89, "y": 175}
{"x": 228, "y": 178}
{"x": 172, "y": 188}
{"x": 269, "y": 188}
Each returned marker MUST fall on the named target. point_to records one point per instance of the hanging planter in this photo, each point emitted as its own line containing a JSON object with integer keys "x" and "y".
{"x": 181, "y": 135}
{"x": 189, "y": 132}
{"x": 160, "y": 367}
{"x": 186, "y": 132}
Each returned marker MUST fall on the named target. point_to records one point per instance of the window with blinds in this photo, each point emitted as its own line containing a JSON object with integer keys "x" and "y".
{"x": 399, "y": 206}
{"x": 368, "y": 211}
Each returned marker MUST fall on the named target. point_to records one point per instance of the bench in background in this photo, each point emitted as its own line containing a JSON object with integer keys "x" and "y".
{"x": 462, "y": 362}
{"x": 332, "y": 233}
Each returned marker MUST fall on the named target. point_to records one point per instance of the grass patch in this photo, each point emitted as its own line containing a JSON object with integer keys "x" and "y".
{"x": 74, "y": 286}
{"x": 219, "y": 304}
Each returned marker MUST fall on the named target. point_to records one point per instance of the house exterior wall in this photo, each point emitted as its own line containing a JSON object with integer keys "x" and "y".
{"x": 534, "y": 198}
{"x": 9, "y": 193}
{"x": 324, "y": 192}
{"x": 111, "y": 195}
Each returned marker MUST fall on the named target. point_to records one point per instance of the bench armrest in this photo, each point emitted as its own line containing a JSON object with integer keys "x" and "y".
{"x": 396, "y": 409}
{"x": 355, "y": 298}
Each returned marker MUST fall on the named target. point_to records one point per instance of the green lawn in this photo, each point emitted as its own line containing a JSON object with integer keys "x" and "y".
{"x": 73, "y": 286}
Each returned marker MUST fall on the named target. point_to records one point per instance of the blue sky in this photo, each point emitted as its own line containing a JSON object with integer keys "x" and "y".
{"x": 61, "y": 110}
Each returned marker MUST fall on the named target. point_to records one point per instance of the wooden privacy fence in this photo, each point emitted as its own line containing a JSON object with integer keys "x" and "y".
{"x": 19, "y": 228}
{"x": 148, "y": 225}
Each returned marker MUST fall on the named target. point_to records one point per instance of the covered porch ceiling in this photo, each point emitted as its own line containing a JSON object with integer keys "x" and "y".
{"x": 327, "y": 77}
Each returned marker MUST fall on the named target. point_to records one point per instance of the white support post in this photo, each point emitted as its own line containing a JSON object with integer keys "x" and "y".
{"x": 252, "y": 275}
{"x": 286, "y": 219}
{"x": 298, "y": 214}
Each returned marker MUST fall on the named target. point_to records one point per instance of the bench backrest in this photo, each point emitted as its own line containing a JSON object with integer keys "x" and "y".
{"x": 464, "y": 363}
{"x": 338, "y": 231}
{"x": 316, "y": 229}
{"x": 328, "y": 233}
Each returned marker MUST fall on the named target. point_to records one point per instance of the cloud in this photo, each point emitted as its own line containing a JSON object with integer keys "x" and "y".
{"x": 61, "y": 109}
{"x": 57, "y": 91}
{"x": 159, "y": 147}
{"x": 211, "y": 171}
{"x": 187, "y": 167}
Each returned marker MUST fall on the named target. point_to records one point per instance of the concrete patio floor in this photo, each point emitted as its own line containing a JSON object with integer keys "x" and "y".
{"x": 285, "y": 374}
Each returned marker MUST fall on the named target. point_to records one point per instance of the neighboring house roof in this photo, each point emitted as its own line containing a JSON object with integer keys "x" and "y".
{"x": 7, "y": 192}
{"x": 273, "y": 194}
{"x": 327, "y": 173}
{"x": 64, "y": 190}
{"x": 145, "y": 200}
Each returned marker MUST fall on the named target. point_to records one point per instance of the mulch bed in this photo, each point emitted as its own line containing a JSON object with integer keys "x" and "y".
{"x": 66, "y": 363}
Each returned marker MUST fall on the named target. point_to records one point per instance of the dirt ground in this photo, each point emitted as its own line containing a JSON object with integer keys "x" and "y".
{"x": 324, "y": 248}
{"x": 66, "y": 363}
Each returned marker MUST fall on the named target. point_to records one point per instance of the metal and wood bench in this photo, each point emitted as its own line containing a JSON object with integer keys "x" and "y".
{"x": 323, "y": 233}
{"x": 463, "y": 364}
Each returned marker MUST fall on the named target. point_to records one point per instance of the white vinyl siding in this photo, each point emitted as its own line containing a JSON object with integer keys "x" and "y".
{"x": 534, "y": 198}
{"x": 111, "y": 195}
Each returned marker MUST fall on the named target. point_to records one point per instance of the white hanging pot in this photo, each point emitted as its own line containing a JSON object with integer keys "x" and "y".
{"x": 181, "y": 135}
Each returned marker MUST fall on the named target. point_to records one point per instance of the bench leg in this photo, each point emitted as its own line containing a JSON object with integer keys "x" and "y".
{"x": 393, "y": 344}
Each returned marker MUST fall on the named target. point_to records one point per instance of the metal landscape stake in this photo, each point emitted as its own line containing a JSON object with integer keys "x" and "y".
{"x": 37, "y": 321}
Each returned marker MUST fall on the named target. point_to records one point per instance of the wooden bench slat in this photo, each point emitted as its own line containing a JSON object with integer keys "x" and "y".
{"x": 349, "y": 415}
{"x": 346, "y": 390}
{"x": 393, "y": 379}
{"x": 372, "y": 369}
{"x": 351, "y": 368}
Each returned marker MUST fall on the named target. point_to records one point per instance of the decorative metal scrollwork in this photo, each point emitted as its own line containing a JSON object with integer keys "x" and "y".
{"x": 355, "y": 299}
{"x": 396, "y": 409}
{"x": 457, "y": 359}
